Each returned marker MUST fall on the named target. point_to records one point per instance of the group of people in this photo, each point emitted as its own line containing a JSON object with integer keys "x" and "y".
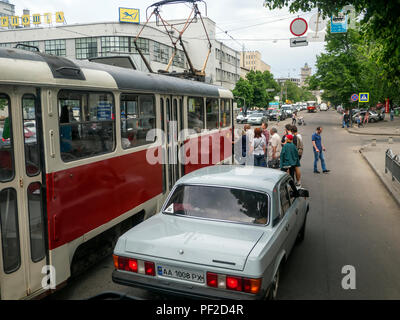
{"x": 265, "y": 148}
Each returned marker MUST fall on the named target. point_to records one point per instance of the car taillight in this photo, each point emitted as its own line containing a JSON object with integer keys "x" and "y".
{"x": 150, "y": 268}
{"x": 233, "y": 283}
{"x": 212, "y": 279}
{"x": 134, "y": 265}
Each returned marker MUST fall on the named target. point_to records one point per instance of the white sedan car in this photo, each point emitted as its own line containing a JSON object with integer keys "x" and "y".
{"x": 223, "y": 232}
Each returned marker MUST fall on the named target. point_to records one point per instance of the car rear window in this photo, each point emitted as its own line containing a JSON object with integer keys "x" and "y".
{"x": 219, "y": 203}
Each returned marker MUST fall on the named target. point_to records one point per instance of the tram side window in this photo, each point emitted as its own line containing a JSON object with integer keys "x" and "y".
{"x": 196, "y": 114}
{"x": 32, "y": 153}
{"x": 225, "y": 113}
{"x": 87, "y": 124}
{"x": 138, "y": 117}
{"x": 212, "y": 110}
{"x": 6, "y": 141}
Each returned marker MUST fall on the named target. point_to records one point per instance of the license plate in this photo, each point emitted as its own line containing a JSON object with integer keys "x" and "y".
{"x": 178, "y": 273}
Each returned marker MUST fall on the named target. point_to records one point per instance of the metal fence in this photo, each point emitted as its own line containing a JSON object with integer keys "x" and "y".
{"x": 392, "y": 164}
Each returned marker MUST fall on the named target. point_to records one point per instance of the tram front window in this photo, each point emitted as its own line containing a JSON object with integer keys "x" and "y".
{"x": 6, "y": 143}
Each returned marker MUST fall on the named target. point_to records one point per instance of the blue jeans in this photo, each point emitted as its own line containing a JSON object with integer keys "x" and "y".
{"x": 344, "y": 123}
{"x": 259, "y": 161}
{"x": 319, "y": 155}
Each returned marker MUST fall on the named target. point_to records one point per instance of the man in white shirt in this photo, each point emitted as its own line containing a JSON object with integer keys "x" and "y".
{"x": 274, "y": 148}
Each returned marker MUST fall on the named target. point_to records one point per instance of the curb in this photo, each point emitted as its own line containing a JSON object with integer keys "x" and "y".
{"x": 384, "y": 182}
{"x": 373, "y": 134}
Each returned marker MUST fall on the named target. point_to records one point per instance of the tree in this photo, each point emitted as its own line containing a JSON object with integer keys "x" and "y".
{"x": 379, "y": 25}
{"x": 244, "y": 90}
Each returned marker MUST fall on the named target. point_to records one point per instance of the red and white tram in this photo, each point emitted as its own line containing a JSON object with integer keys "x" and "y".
{"x": 74, "y": 160}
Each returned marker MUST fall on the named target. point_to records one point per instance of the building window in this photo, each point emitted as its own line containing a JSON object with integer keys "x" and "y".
{"x": 196, "y": 114}
{"x": 86, "y": 48}
{"x": 55, "y": 47}
{"x": 115, "y": 44}
{"x": 138, "y": 117}
{"x": 179, "y": 59}
{"x": 161, "y": 53}
{"x": 143, "y": 44}
{"x": 87, "y": 124}
{"x": 5, "y": 45}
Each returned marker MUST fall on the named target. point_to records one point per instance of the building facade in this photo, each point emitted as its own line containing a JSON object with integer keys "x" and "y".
{"x": 85, "y": 41}
{"x": 251, "y": 60}
{"x": 6, "y": 9}
{"x": 304, "y": 74}
{"x": 296, "y": 81}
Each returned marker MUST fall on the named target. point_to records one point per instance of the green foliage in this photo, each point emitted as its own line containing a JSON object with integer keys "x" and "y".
{"x": 3, "y": 104}
{"x": 379, "y": 26}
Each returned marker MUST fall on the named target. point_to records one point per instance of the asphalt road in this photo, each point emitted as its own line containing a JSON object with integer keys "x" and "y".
{"x": 352, "y": 221}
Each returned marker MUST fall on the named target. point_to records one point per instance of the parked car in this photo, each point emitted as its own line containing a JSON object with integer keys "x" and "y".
{"x": 323, "y": 107}
{"x": 273, "y": 115}
{"x": 373, "y": 116}
{"x": 221, "y": 233}
{"x": 257, "y": 118}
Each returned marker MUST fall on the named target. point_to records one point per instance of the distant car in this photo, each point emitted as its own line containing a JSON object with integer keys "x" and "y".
{"x": 288, "y": 109}
{"x": 240, "y": 117}
{"x": 223, "y": 232}
{"x": 257, "y": 118}
{"x": 323, "y": 107}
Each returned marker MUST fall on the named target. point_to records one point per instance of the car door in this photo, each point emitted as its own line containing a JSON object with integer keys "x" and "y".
{"x": 298, "y": 205}
{"x": 288, "y": 216}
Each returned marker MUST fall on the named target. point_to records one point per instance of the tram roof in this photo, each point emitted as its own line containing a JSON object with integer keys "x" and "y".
{"x": 21, "y": 66}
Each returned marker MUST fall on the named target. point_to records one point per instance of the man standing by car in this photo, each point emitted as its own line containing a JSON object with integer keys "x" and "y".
{"x": 346, "y": 119}
{"x": 318, "y": 149}
{"x": 289, "y": 158}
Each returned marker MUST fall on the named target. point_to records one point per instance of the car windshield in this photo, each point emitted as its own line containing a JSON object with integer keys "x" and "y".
{"x": 219, "y": 203}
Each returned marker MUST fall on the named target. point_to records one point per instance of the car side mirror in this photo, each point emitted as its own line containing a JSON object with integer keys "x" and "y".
{"x": 303, "y": 193}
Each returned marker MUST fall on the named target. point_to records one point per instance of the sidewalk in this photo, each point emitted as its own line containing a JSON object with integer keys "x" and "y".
{"x": 381, "y": 128}
{"x": 375, "y": 157}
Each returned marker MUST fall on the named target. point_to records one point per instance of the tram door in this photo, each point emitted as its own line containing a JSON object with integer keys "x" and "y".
{"x": 173, "y": 106}
{"x": 22, "y": 231}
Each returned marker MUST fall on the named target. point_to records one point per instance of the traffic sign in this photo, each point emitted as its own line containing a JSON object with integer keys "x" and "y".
{"x": 316, "y": 36}
{"x": 298, "y": 42}
{"x": 298, "y": 27}
{"x": 364, "y": 96}
{"x": 317, "y": 23}
{"x": 354, "y": 97}
{"x": 339, "y": 23}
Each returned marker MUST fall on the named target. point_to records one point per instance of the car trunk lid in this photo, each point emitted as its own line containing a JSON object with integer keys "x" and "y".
{"x": 204, "y": 242}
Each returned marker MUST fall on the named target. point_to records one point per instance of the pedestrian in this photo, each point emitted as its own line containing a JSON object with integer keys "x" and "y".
{"x": 274, "y": 149}
{"x": 258, "y": 148}
{"x": 265, "y": 132}
{"x": 288, "y": 130}
{"x": 249, "y": 133}
{"x": 289, "y": 158}
{"x": 294, "y": 116}
{"x": 300, "y": 147}
{"x": 346, "y": 119}
{"x": 391, "y": 110}
{"x": 241, "y": 148}
{"x": 318, "y": 149}
{"x": 366, "y": 117}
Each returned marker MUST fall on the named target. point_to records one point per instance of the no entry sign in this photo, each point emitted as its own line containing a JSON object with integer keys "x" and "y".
{"x": 298, "y": 27}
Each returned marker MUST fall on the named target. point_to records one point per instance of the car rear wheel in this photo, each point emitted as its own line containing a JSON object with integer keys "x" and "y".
{"x": 371, "y": 120}
{"x": 273, "y": 290}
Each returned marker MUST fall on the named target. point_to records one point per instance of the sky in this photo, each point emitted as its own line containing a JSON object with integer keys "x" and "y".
{"x": 252, "y": 26}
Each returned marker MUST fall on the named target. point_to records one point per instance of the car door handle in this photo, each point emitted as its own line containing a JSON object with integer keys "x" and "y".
{"x": 287, "y": 227}
{"x": 297, "y": 211}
